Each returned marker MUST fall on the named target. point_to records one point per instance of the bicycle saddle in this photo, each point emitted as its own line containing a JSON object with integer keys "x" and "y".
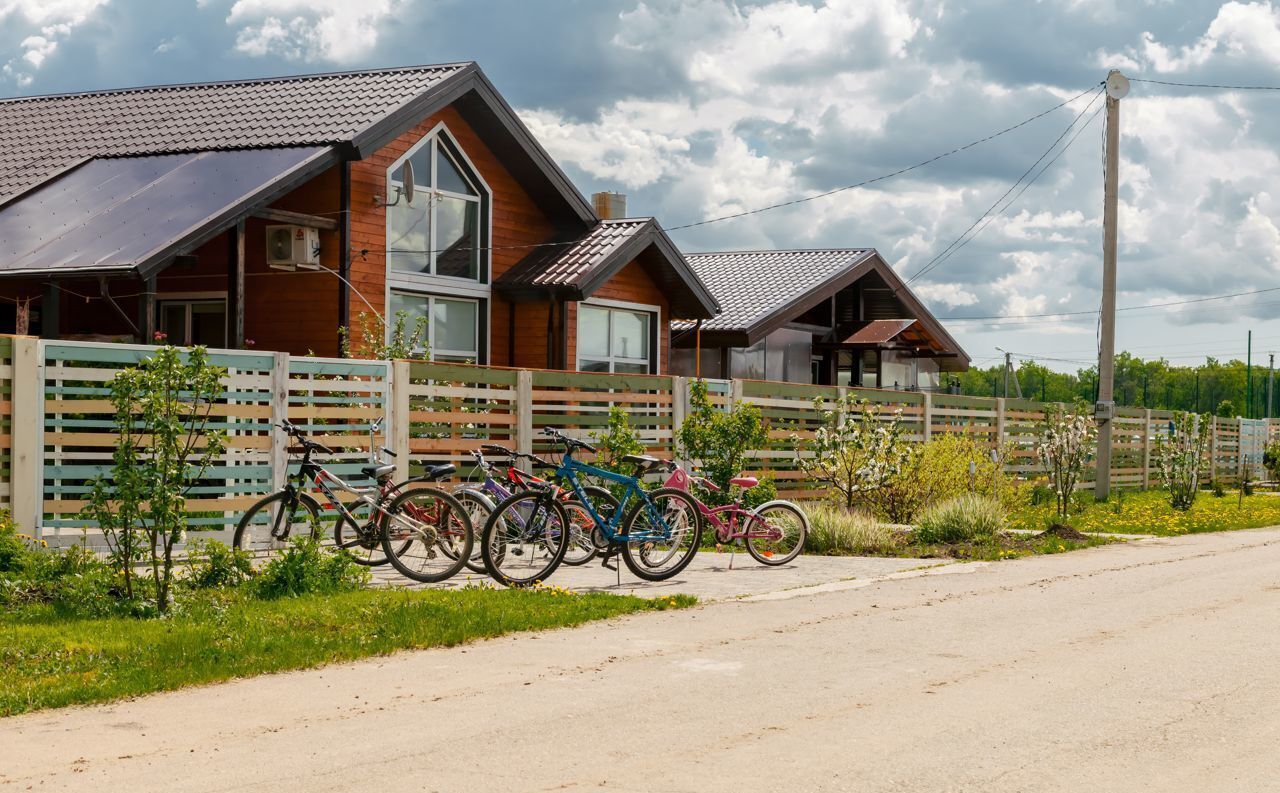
{"x": 744, "y": 482}
{"x": 434, "y": 472}
{"x": 644, "y": 460}
{"x": 378, "y": 470}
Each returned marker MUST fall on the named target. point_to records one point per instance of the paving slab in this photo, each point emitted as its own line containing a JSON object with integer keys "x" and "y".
{"x": 709, "y": 577}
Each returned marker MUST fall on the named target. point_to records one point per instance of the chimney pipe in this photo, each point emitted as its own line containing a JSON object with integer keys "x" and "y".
{"x": 609, "y": 205}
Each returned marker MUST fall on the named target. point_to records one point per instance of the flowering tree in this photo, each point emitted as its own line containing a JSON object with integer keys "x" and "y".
{"x": 1067, "y": 439}
{"x": 856, "y": 451}
{"x": 1178, "y": 458}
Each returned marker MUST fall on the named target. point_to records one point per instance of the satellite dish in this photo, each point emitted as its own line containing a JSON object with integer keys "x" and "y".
{"x": 406, "y": 179}
{"x": 1117, "y": 85}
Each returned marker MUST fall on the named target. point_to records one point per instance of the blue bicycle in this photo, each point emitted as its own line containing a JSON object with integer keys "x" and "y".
{"x": 656, "y": 531}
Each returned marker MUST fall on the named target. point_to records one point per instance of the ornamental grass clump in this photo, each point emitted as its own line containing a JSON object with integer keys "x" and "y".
{"x": 834, "y": 531}
{"x": 1179, "y": 457}
{"x": 1067, "y": 440}
{"x": 966, "y": 518}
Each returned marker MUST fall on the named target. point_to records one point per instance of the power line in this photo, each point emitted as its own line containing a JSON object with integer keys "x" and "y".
{"x": 963, "y": 239}
{"x": 1126, "y": 308}
{"x": 1207, "y": 85}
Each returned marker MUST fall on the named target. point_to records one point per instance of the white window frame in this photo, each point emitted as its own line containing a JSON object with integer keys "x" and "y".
{"x": 189, "y": 299}
{"x": 431, "y": 328}
{"x": 430, "y": 282}
{"x": 655, "y": 316}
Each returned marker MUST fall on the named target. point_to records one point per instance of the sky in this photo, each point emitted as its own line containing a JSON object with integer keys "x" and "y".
{"x": 697, "y": 109}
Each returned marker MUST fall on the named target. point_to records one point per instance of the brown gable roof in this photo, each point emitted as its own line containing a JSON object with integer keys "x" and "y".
{"x": 43, "y": 136}
{"x": 577, "y": 268}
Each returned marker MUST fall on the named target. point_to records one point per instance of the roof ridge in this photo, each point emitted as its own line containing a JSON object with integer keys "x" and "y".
{"x": 781, "y": 250}
{"x": 426, "y": 67}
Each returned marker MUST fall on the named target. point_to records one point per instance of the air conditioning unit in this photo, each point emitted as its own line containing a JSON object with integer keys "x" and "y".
{"x": 291, "y": 247}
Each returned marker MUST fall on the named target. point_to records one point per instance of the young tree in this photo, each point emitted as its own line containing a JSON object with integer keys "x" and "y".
{"x": 719, "y": 441}
{"x": 617, "y": 440}
{"x": 1179, "y": 456}
{"x": 1067, "y": 439}
{"x": 163, "y": 448}
{"x": 407, "y": 339}
{"x": 856, "y": 451}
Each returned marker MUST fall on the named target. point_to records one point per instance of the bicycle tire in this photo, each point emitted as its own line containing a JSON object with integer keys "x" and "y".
{"x": 249, "y": 534}
{"x": 402, "y": 532}
{"x": 479, "y": 506}
{"x": 634, "y": 553}
{"x": 504, "y": 538}
{"x": 762, "y": 552}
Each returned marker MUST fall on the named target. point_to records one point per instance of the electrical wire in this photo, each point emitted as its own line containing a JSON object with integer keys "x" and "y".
{"x": 995, "y": 210}
{"x": 1206, "y": 85}
{"x": 1125, "y": 308}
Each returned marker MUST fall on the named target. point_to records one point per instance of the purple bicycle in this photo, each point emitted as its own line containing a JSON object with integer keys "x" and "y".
{"x": 480, "y": 498}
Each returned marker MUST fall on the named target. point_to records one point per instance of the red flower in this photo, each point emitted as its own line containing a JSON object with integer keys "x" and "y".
{"x": 159, "y": 335}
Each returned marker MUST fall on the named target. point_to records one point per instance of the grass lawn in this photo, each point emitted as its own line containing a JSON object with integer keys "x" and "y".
{"x": 1149, "y": 513}
{"x": 49, "y": 661}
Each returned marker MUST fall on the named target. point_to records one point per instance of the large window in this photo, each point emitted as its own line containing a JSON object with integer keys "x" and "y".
{"x": 453, "y": 325}
{"x": 615, "y": 340}
{"x": 443, "y": 231}
{"x": 187, "y": 322}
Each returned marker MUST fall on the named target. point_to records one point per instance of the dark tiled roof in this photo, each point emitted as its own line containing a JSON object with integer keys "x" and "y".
{"x": 751, "y": 285}
{"x": 570, "y": 264}
{"x": 43, "y": 136}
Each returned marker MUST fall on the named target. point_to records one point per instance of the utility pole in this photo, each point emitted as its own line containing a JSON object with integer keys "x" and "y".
{"x": 1008, "y": 373}
{"x": 1271, "y": 371}
{"x": 1104, "y": 409}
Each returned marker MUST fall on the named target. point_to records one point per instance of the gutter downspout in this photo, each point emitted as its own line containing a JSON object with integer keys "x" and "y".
{"x": 106, "y": 295}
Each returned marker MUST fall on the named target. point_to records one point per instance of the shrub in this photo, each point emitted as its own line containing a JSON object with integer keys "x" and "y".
{"x": 14, "y": 547}
{"x": 1271, "y": 459}
{"x": 1178, "y": 458}
{"x": 718, "y": 441}
{"x": 835, "y": 532}
{"x": 74, "y": 581}
{"x": 406, "y": 338}
{"x": 214, "y": 565}
{"x": 937, "y": 471}
{"x": 1067, "y": 438}
{"x": 305, "y": 567}
{"x": 961, "y": 519}
{"x": 617, "y": 440}
{"x": 855, "y": 451}
{"x": 767, "y": 490}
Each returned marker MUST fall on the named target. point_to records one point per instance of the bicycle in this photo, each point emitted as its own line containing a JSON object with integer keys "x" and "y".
{"x": 481, "y": 500}
{"x": 399, "y": 516}
{"x": 527, "y": 535}
{"x": 765, "y": 530}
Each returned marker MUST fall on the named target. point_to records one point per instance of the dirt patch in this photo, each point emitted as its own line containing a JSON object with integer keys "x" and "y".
{"x": 1063, "y": 532}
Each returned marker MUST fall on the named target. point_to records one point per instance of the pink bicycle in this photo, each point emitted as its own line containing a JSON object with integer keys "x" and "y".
{"x": 773, "y": 532}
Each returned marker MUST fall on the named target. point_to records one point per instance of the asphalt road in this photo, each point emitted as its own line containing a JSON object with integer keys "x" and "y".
{"x": 1149, "y": 666}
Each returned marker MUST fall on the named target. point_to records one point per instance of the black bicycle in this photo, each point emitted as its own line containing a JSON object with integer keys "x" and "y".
{"x": 424, "y": 532}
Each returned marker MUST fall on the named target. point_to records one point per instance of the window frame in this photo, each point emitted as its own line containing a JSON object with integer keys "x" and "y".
{"x": 189, "y": 299}
{"x": 479, "y": 288}
{"x": 655, "y": 334}
{"x": 482, "y": 313}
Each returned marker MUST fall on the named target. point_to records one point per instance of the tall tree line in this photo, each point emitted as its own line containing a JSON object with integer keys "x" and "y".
{"x": 1212, "y": 387}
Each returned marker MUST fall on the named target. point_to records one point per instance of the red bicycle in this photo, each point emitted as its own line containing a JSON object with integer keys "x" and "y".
{"x": 774, "y": 532}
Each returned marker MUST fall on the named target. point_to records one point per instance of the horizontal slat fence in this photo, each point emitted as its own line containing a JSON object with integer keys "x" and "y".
{"x": 57, "y": 424}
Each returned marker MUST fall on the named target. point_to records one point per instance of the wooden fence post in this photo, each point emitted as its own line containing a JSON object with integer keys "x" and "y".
{"x": 679, "y": 407}
{"x": 398, "y": 415}
{"x": 1146, "y": 448}
{"x": 26, "y": 479}
{"x": 524, "y": 411}
{"x": 735, "y": 394}
{"x": 279, "y": 413}
{"x": 927, "y": 416}
{"x": 1000, "y": 422}
{"x": 1213, "y": 449}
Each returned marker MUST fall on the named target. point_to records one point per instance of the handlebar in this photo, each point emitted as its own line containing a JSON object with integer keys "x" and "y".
{"x": 306, "y": 442}
{"x": 570, "y": 443}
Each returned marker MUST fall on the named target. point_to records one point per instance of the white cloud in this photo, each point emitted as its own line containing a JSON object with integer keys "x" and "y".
{"x": 309, "y": 30}
{"x": 949, "y": 295}
{"x": 50, "y": 21}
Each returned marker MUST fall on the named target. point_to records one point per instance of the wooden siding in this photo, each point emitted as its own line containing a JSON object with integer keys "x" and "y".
{"x": 631, "y": 284}
{"x": 516, "y": 221}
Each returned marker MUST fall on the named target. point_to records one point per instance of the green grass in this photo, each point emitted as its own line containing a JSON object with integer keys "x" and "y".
{"x": 1149, "y": 513}
{"x": 49, "y": 661}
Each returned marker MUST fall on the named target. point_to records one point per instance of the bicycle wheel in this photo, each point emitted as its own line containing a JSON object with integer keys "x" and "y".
{"x": 776, "y": 532}
{"x": 266, "y": 527}
{"x": 479, "y": 506}
{"x": 426, "y": 534}
{"x": 525, "y": 539}
{"x": 662, "y": 534}
{"x": 582, "y": 545}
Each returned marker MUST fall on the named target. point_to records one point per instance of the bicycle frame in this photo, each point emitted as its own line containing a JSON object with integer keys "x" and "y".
{"x": 729, "y": 531}
{"x": 569, "y": 470}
